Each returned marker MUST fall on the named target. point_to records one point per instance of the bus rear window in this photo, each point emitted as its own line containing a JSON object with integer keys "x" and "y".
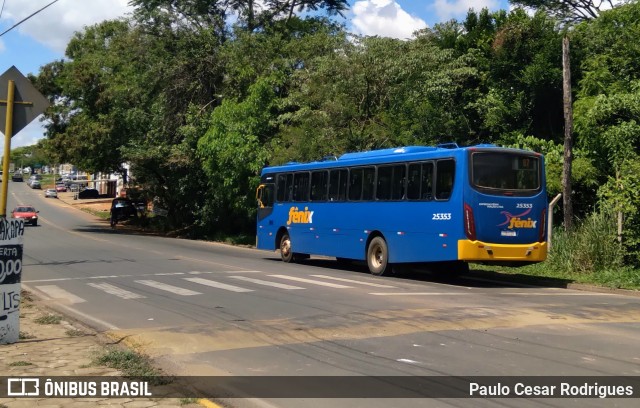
{"x": 494, "y": 172}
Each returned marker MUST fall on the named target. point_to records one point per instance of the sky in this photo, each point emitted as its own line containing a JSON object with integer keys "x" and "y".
{"x": 43, "y": 38}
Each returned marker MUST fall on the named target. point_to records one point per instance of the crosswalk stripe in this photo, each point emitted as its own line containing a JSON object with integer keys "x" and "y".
{"x": 218, "y": 285}
{"x": 311, "y": 281}
{"x": 168, "y": 288}
{"x": 56, "y": 292}
{"x": 420, "y": 294}
{"x": 377, "y": 285}
{"x": 266, "y": 283}
{"x": 114, "y": 290}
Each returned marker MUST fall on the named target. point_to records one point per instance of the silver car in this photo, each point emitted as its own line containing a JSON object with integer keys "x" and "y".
{"x": 50, "y": 192}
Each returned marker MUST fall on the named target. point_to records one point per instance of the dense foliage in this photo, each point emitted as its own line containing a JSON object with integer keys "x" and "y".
{"x": 197, "y": 107}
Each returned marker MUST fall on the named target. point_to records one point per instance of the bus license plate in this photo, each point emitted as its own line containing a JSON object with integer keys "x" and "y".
{"x": 508, "y": 233}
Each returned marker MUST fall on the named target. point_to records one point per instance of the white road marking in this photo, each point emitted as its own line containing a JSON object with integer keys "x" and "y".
{"x": 406, "y": 360}
{"x": 168, "y": 288}
{"x": 71, "y": 279}
{"x": 114, "y": 290}
{"x": 210, "y": 272}
{"x": 557, "y": 294}
{"x": 417, "y": 294}
{"x": 266, "y": 283}
{"x": 377, "y": 285}
{"x": 55, "y": 292}
{"x": 311, "y": 281}
{"x": 85, "y": 316}
{"x": 218, "y": 285}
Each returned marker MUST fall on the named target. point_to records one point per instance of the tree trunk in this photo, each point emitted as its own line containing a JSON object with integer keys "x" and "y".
{"x": 568, "y": 136}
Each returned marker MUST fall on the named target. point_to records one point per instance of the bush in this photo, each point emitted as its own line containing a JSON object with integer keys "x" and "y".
{"x": 592, "y": 247}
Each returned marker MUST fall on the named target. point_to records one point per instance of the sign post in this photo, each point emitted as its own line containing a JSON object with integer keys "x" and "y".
{"x": 11, "y": 236}
{"x": 23, "y": 104}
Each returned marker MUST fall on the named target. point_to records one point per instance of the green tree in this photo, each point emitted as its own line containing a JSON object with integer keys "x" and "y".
{"x": 569, "y": 11}
{"x": 233, "y": 150}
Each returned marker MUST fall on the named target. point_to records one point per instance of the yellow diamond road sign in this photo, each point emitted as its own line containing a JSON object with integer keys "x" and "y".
{"x": 29, "y": 103}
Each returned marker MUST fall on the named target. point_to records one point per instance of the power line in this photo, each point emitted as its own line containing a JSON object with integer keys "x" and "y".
{"x": 26, "y": 18}
{"x": 1, "y": 10}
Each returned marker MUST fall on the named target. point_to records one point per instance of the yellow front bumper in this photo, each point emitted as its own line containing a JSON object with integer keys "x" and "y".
{"x": 482, "y": 251}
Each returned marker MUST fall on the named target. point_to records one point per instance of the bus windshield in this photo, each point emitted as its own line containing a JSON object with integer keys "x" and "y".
{"x": 505, "y": 173}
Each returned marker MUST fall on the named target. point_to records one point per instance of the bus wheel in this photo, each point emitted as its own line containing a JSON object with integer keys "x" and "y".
{"x": 378, "y": 257}
{"x": 286, "y": 254}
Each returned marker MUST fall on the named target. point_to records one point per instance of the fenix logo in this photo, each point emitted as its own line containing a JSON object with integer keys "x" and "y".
{"x": 300, "y": 217}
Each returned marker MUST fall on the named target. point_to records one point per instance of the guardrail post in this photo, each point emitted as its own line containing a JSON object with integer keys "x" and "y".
{"x": 550, "y": 220}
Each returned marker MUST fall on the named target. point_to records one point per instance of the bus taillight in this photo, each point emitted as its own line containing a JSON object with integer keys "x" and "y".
{"x": 469, "y": 222}
{"x": 543, "y": 225}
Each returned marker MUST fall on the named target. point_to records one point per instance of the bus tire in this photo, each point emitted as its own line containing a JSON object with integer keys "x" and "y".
{"x": 378, "y": 257}
{"x": 286, "y": 254}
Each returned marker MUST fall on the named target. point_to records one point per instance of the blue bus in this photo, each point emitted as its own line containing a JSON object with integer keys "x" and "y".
{"x": 445, "y": 205}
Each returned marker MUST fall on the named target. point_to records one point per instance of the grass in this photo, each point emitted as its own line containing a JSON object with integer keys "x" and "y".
{"x": 25, "y": 336}
{"x": 187, "y": 401}
{"x": 20, "y": 364}
{"x": 74, "y": 333}
{"x": 48, "y": 319}
{"x": 546, "y": 273}
{"x": 104, "y": 215}
{"x": 131, "y": 363}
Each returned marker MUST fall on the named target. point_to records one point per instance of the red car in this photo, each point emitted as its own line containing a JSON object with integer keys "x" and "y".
{"x": 61, "y": 188}
{"x": 26, "y": 212}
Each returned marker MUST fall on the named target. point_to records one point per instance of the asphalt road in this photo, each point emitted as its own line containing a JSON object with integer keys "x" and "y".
{"x": 203, "y": 308}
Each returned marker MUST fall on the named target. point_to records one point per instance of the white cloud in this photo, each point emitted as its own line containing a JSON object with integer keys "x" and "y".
{"x": 384, "y": 18}
{"x": 448, "y": 9}
{"x": 55, "y": 25}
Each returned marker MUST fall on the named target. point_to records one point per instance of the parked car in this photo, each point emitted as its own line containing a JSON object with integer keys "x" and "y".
{"x": 50, "y": 193}
{"x": 88, "y": 193}
{"x": 61, "y": 188}
{"x": 122, "y": 209}
{"x": 17, "y": 176}
{"x": 26, "y": 212}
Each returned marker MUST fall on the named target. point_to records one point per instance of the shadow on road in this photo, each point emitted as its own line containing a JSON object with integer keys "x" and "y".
{"x": 475, "y": 278}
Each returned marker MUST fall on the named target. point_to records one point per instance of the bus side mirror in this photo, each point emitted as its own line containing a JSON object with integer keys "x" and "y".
{"x": 259, "y": 196}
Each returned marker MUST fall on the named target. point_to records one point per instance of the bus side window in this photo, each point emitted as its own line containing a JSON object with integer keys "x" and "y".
{"x": 413, "y": 181}
{"x": 368, "y": 183}
{"x": 383, "y": 186}
{"x": 427, "y": 182}
{"x": 445, "y": 173}
{"x": 399, "y": 181}
{"x": 390, "y": 185}
{"x": 301, "y": 187}
{"x": 319, "y": 180}
{"x": 355, "y": 184}
{"x": 281, "y": 188}
{"x": 338, "y": 185}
